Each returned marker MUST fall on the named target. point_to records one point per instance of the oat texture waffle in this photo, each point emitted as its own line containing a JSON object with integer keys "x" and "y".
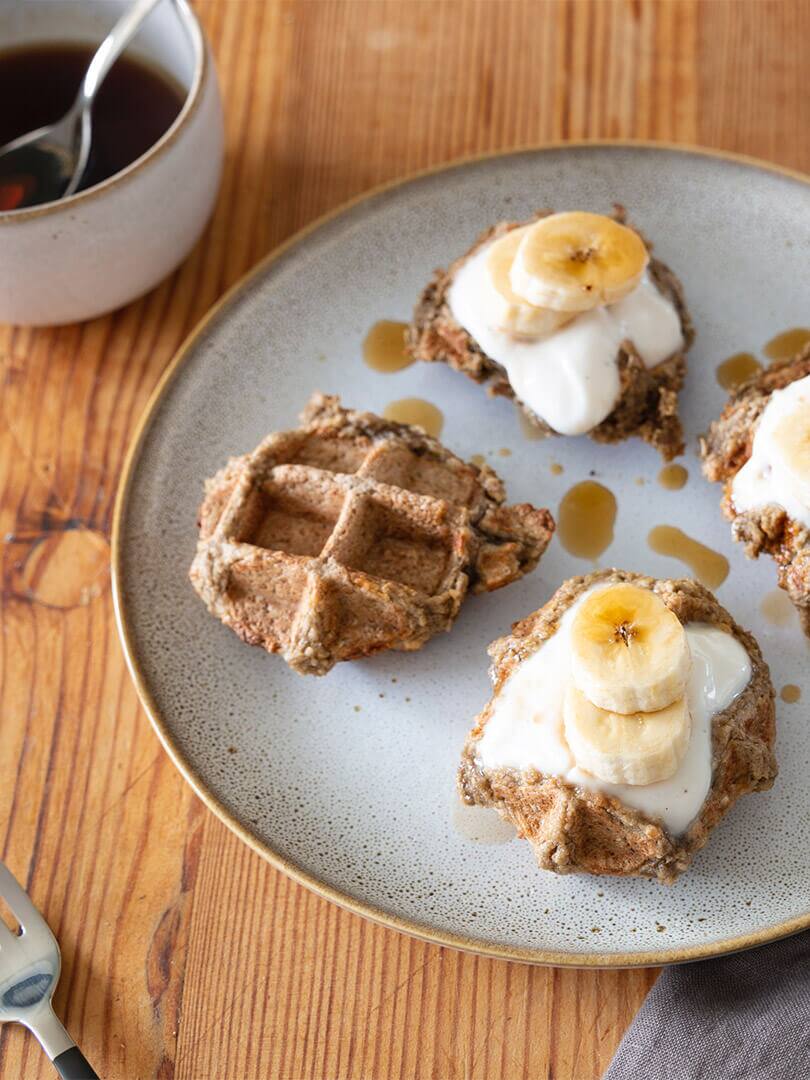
{"x": 353, "y": 534}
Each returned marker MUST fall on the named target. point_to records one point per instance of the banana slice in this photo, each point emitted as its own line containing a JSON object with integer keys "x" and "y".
{"x": 511, "y": 313}
{"x": 791, "y": 439}
{"x": 639, "y": 748}
{"x": 575, "y": 261}
{"x": 629, "y": 653}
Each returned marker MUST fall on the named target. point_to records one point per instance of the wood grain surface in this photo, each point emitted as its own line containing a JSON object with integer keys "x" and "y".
{"x": 185, "y": 954}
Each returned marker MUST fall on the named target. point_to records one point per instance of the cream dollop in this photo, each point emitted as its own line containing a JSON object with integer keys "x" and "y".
{"x": 570, "y": 378}
{"x": 766, "y": 477}
{"x": 526, "y": 730}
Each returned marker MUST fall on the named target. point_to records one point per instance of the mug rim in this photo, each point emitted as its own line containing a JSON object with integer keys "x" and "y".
{"x": 191, "y": 24}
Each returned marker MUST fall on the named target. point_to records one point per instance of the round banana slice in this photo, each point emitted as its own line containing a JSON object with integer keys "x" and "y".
{"x": 639, "y": 748}
{"x": 791, "y": 439}
{"x": 629, "y": 652}
{"x": 575, "y": 261}
{"x": 510, "y": 312}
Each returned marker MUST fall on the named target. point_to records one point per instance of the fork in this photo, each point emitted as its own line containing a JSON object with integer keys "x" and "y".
{"x": 29, "y": 971}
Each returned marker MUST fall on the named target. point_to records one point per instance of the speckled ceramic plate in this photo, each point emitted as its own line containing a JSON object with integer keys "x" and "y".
{"x": 348, "y": 782}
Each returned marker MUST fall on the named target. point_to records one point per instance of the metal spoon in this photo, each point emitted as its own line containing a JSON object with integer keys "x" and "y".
{"x": 49, "y": 163}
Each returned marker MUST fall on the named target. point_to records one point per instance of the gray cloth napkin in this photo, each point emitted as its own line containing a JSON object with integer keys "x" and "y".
{"x": 742, "y": 1017}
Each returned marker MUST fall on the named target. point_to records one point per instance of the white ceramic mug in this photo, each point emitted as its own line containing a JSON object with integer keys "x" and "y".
{"x": 96, "y": 250}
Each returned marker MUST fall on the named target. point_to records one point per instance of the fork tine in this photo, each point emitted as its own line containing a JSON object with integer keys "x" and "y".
{"x": 17, "y": 898}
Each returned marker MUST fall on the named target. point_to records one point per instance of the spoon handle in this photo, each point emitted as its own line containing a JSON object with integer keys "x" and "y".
{"x": 110, "y": 49}
{"x": 105, "y": 56}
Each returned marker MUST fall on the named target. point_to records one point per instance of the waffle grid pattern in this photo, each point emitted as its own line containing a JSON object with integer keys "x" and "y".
{"x": 329, "y": 543}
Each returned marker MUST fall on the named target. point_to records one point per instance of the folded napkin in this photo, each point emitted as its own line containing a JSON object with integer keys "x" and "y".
{"x": 742, "y": 1017}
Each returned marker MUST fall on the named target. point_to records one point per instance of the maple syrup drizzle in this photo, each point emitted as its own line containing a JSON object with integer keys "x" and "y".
{"x": 790, "y": 693}
{"x": 384, "y": 347}
{"x": 777, "y": 609}
{"x": 417, "y": 412}
{"x": 586, "y": 518}
{"x": 38, "y": 82}
{"x": 673, "y": 477}
{"x": 556, "y": 468}
{"x": 709, "y": 567}
{"x": 787, "y": 344}
{"x": 737, "y": 369}
{"x": 481, "y": 824}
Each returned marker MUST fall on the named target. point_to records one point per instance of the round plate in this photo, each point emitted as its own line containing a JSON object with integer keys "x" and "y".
{"x": 348, "y": 782}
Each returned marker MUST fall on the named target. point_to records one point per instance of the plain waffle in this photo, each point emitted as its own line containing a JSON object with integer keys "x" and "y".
{"x": 354, "y": 534}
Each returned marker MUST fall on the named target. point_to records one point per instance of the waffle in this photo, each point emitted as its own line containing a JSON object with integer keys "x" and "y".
{"x": 576, "y": 830}
{"x": 353, "y": 534}
{"x": 726, "y": 447}
{"x": 647, "y": 406}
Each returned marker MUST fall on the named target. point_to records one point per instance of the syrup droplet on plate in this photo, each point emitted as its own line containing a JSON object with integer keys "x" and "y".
{"x": 556, "y": 468}
{"x": 673, "y": 477}
{"x": 709, "y": 567}
{"x": 777, "y": 609}
{"x": 418, "y": 412}
{"x": 505, "y": 451}
{"x": 586, "y": 518}
{"x": 787, "y": 344}
{"x": 384, "y": 347}
{"x": 737, "y": 369}
{"x": 478, "y": 459}
{"x": 790, "y": 693}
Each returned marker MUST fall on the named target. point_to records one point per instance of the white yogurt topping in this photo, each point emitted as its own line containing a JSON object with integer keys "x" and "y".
{"x": 571, "y": 378}
{"x": 526, "y": 729}
{"x": 764, "y": 478}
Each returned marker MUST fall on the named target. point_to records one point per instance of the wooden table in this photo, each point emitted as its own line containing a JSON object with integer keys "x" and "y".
{"x": 185, "y": 954}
